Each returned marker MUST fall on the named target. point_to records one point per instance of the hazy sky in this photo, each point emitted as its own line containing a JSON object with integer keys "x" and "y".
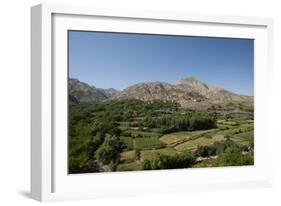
{"x": 114, "y": 60}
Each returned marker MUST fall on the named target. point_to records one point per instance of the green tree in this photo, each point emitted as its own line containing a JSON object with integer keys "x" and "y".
{"x": 146, "y": 165}
{"x": 115, "y": 131}
{"x": 233, "y": 157}
{"x": 94, "y": 144}
{"x": 137, "y": 154}
{"x": 205, "y": 151}
{"x": 184, "y": 160}
{"x": 109, "y": 150}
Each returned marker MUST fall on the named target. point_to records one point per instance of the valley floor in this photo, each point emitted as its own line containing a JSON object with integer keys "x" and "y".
{"x": 134, "y": 135}
{"x": 240, "y": 131}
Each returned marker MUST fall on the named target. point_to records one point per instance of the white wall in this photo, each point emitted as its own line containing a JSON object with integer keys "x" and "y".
{"x": 15, "y": 95}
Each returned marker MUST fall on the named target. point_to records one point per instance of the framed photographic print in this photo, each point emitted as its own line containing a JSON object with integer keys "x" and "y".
{"x": 137, "y": 102}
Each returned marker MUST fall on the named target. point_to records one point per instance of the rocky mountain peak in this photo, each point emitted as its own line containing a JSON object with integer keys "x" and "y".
{"x": 192, "y": 82}
{"x": 189, "y": 92}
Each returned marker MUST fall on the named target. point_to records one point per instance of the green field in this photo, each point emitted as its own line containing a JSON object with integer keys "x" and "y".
{"x": 244, "y": 138}
{"x": 149, "y": 154}
{"x": 202, "y": 141}
{"x": 175, "y": 137}
{"x": 128, "y": 141}
{"x": 132, "y": 166}
{"x": 148, "y": 143}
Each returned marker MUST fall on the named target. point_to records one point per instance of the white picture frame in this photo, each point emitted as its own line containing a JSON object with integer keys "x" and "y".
{"x": 49, "y": 178}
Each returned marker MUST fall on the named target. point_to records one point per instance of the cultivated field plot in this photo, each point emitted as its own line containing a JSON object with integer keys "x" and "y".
{"x": 127, "y": 156}
{"x": 150, "y": 154}
{"x": 239, "y": 131}
{"x": 132, "y": 166}
{"x": 244, "y": 138}
{"x": 148, "y": 143}
{"x": 128, "y": 141}
{"x": 175, "y": 137}
{"x": 201, "y": 141}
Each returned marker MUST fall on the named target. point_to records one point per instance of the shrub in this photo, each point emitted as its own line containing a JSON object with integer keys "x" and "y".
{"x": 221, "y": 146}
{"x": 109, "y": 150}
{"x": 184, "y": 160}
{"x": 137, "y": 154}
{"x": 94, "y": 144}
{"x": 205, "y": 151}
{"x": 233, "y": 157}
{"x": 146, "y": 165}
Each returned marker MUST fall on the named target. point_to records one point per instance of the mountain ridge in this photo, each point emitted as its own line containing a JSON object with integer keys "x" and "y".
{"x": 82, "y": 92}
{"x": 188, "y": 92}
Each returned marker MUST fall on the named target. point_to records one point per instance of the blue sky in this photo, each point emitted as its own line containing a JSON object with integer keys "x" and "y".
{"x": 115, "y": 60}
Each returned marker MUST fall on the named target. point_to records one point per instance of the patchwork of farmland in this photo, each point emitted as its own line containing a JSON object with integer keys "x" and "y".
{"x": 241, "y": 132}
{"x": 138, "y": 136}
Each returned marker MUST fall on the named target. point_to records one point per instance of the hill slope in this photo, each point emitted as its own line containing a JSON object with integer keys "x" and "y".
{"x": 214, "y": 94}
{"x": 82, "y": 92}
{"x": 188, "y": 92}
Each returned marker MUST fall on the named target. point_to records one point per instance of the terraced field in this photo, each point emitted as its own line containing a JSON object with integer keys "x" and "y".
{"x": 127, "y": 156}
{"x": 149, "y": 154}
{"x": 175, "y": 137}
{"x": 128, "y": 141}
{"x": 244, "y": 138}
{"x": 239, "y": 131}
{"x": 148, "y": 143}
{"x": 202, "y": 141}
{"x": 132, "y": 166}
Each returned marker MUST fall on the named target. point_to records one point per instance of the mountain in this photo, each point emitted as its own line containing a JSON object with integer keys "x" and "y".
{"x": 161, "y": 91}
{"x": 81, "y": 92}
{"x": 214, "y": 94}
{"x": 109, "y": 92}
{"x": 72, "y": 100}
{"x": 189, "y": 92}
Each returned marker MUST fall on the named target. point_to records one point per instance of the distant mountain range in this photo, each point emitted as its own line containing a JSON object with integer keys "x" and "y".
{"x": 80, "y": 92}
{"x": 188, "y": 92}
